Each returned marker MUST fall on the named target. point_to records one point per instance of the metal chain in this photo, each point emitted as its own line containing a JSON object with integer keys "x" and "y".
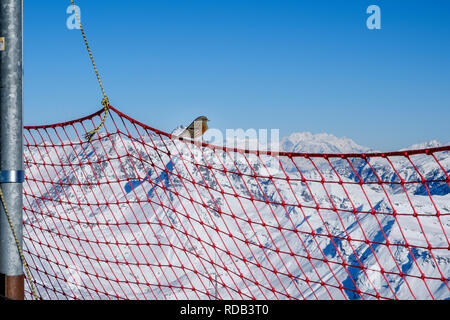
{"x": 105, "y": 101}
{"x": 19, "y": 248}
{"x": 88, "y": 136}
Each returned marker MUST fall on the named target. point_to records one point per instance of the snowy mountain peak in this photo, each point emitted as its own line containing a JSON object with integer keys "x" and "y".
{"x": 428, "y": 144}
{"x": 320, "y": 143}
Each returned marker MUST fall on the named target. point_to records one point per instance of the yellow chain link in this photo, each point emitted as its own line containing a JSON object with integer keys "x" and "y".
{"x": 105, "y": 102}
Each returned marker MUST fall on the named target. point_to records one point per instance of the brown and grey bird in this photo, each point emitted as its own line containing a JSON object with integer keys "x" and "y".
{"x": 196, "y": 129}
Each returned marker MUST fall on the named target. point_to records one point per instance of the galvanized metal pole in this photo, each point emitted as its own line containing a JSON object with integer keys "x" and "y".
{"x": 11, "y": 145}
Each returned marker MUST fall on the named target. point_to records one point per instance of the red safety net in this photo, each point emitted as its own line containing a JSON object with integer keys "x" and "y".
{"x": 136, "y": 214}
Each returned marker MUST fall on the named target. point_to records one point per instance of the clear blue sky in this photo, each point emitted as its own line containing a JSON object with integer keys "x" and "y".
{"x": 288, "y": 64}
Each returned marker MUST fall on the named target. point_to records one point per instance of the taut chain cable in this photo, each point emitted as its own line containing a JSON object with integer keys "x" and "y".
{"x": 105, "y": 101}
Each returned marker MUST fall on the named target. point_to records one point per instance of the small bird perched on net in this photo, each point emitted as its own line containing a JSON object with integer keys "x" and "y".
{"x": 196, "y": 129}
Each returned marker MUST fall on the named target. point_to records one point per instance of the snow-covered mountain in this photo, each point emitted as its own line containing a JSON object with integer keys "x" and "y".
{"x": 306, "y": 142}
{"x": 428, "y": 144}
{"x": 146, "y": 219}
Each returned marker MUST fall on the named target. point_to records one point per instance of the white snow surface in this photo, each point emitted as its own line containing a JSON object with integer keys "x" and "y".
{"x": 117, "y": 219}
